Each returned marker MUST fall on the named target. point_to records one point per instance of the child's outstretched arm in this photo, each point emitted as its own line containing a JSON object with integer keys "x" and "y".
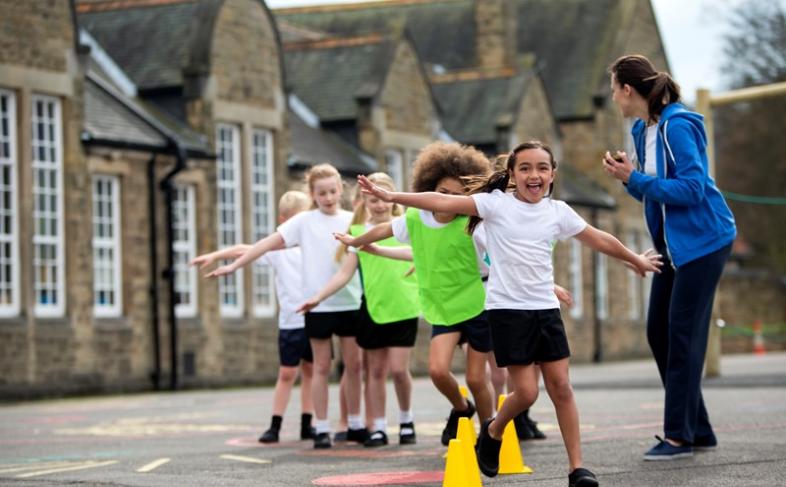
{"x": 338, "y": 281}
{"x": 431, "y": 201}
{"x": 397, "y": 253}
{"x": 274, "y": 241}
{"x": 609, "y": 245}
{"x": 208, "y": 259}
{"x": 377, "y": 233}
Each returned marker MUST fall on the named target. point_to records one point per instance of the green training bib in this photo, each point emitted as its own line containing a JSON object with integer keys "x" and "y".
{"x": 451, "y": 290}
{"x": 391, "y": 295}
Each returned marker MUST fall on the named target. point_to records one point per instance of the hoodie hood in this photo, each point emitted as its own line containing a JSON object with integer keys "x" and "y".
{"x": 670, "y": 112}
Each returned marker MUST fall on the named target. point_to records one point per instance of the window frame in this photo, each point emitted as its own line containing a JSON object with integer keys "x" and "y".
{"x": 230, "y": 310}
{"x": 11, "y": 237}
{"x": 576, "y": 274}
{"x": 259, "y": 270}
{"x": 602, "y": 286}
{"x": 188, "y": 246}
{"x": 115, "y": 310}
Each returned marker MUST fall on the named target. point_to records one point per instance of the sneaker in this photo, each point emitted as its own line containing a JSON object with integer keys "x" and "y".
{"x": 487, "y": 450}
{"x": 340, "y": 436}
{"x": 359, "y": 435}
{"x": 308, "y": 433}
{"x": 705, "y": 443}
{"x": 666, "y": 451}
{"x": 451, "y": 428}
{"x": 581, "y": 477}
{"x": 527, "y": 429}
{"x": 269, "y": 436}
{"x": 322, "y": 440}
{"x": 377, "y": 438}
{"x": 406, "y": 434}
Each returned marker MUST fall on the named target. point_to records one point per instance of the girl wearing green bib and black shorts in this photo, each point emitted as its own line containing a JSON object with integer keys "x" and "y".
{"x": 388, "y": 314}
{"x": 450, "y": 286}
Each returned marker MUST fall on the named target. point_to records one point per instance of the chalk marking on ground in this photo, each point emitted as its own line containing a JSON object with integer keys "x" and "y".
{"x": 153, "y": 465}
{"x": 239, "y": 458}
{"x": 83, "y": 466}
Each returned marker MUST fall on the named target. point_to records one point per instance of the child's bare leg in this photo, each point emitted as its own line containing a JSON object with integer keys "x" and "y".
{"x": 557, "y": 381}
{"x": 283, "y": 389}
{"x": 524, "y": 381}
{"x": 498, "y": 377}
{"x": 366, "y": 394}
{"x": 352, "y": 370}
{"x": 398, "y": 362}
{"x": 378, "y": 371}
{"x": 306, "y": 376}
{"x": 439, "y": 359}
{"x": 321, "y": 350}
{"x": 342, "y": 402}
{"x": 478, "y": 383}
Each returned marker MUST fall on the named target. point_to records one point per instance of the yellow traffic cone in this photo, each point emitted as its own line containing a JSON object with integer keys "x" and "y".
{"x": 466, "y": 435}
{"x": 510, "y": 459}
{"x": 456, "y": 471}
{"x": 465, "y": 394}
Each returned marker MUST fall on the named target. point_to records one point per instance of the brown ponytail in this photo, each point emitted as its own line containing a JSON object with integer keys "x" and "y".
{"x": 657, "y": 87}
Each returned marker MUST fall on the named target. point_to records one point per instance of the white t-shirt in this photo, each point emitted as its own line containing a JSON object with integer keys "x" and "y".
{"x": 519, "y": 240}
{"x": 287, "y": 265}
{"x": 650, "y": 159}
{"x": 401, "y": 233}
{"x": 313, "y": 232}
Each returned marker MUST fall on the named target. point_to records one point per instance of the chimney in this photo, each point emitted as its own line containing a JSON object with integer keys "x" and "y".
{"x": 495, "y": 33}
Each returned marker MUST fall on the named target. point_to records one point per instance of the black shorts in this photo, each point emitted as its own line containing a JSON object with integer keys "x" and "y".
{"x": 373, "y": 336}
{"x": 474, "y": 331}
{"x": 522, "y": 337}
{"x": 329, "y": 323}
{"x": 293, "y": 346}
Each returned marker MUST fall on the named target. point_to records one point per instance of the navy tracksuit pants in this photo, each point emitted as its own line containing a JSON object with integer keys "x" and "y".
{"x": 677, "y": 328}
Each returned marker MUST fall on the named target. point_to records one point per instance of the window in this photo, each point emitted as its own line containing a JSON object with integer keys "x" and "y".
{"x": 48, "y": 255}
{"x": 262, "y": 217}
{"x": 9, "y": 223}
{"x": 394, "y": 161}
{"x": 184, "y": 249}
{"x": 576, "y": 279}
{"x": 601, "y": 286}
{"x": 634, "y": 281}
{"x": 107, "y": 267}
{"x": 230, "y": 288}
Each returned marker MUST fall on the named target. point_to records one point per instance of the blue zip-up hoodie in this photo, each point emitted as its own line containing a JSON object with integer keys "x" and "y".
{"x": 683, "y": 197}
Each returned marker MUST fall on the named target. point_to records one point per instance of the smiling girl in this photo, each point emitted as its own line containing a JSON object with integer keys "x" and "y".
{"x": 523, "y": 311}
{"x": 312, "y": 231}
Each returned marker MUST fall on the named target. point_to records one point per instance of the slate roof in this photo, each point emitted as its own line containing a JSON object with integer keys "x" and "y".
{"x": 572, "y": 39}
{"x": 331, "y": 78}
{"x": 151, "y": 43}
{"x": 575, "y": 188}
{"x": 474, "y": 109}
{"x": 312, "y": 145}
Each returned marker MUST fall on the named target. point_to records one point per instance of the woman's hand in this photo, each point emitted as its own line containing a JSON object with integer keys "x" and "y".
{"x": 618, "y": 166}
{"x": 367, "y": 187}
{"x": 308, "y": 305}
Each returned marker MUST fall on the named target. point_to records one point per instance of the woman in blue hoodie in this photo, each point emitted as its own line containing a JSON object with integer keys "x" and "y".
{"x": 691, "y": 226}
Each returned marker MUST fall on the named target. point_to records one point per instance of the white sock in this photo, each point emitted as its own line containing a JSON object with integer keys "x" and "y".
{"x": 405, "y": 417}
{"x": 381, "y": 424}
{"x": 355, "y": 422}
{"x": 322, "y": 426}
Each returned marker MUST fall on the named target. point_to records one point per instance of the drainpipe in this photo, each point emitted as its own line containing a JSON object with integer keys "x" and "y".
{"x": 597, "y": 354}
{"x": 169, "y": 273}
{"x": 154, "y": 318}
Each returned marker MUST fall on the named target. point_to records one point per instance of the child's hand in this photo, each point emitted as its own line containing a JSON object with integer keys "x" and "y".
{"x": 222, "y": 271}
{"x": 563, "y": 295}
{"x": 203, "y": 261}
{"x": 345, "y": 238}
{"x": 367, "y": 187}
{"x": 648, "y": 261}
{"x": 308, "y": 305}
{"x": 410, "y": 271}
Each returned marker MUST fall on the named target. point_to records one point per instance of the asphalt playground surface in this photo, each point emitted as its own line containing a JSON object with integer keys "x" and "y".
{"x": 197, "y": 438}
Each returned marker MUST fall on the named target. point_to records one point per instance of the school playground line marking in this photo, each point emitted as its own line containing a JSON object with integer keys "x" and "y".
{"x": 240, "y": 458}
{"x": 153, "y": 465}
{"x": 381, "y": 478}
{"x": 83, "y": 466}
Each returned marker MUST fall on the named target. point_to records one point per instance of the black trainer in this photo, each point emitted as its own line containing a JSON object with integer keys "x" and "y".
{"x": 322, "y": 440}
{"x": 307, "y": 433}
{"x": 340, "y": 436}
{"x": 269, "y": 436}
{"x": 377, "y": 438}
{"x": 359, "y": 435}
{"x": 487, "y": 450}
{"x": 406, "y": 434}
{"x": 526, "y": 428}
{"x": 581, "y": 477}
{"x": 451, "y": 428}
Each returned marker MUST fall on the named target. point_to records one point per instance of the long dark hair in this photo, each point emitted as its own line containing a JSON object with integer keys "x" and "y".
{"x": 500, "y": 179}
{"x": 657, "y": 87}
